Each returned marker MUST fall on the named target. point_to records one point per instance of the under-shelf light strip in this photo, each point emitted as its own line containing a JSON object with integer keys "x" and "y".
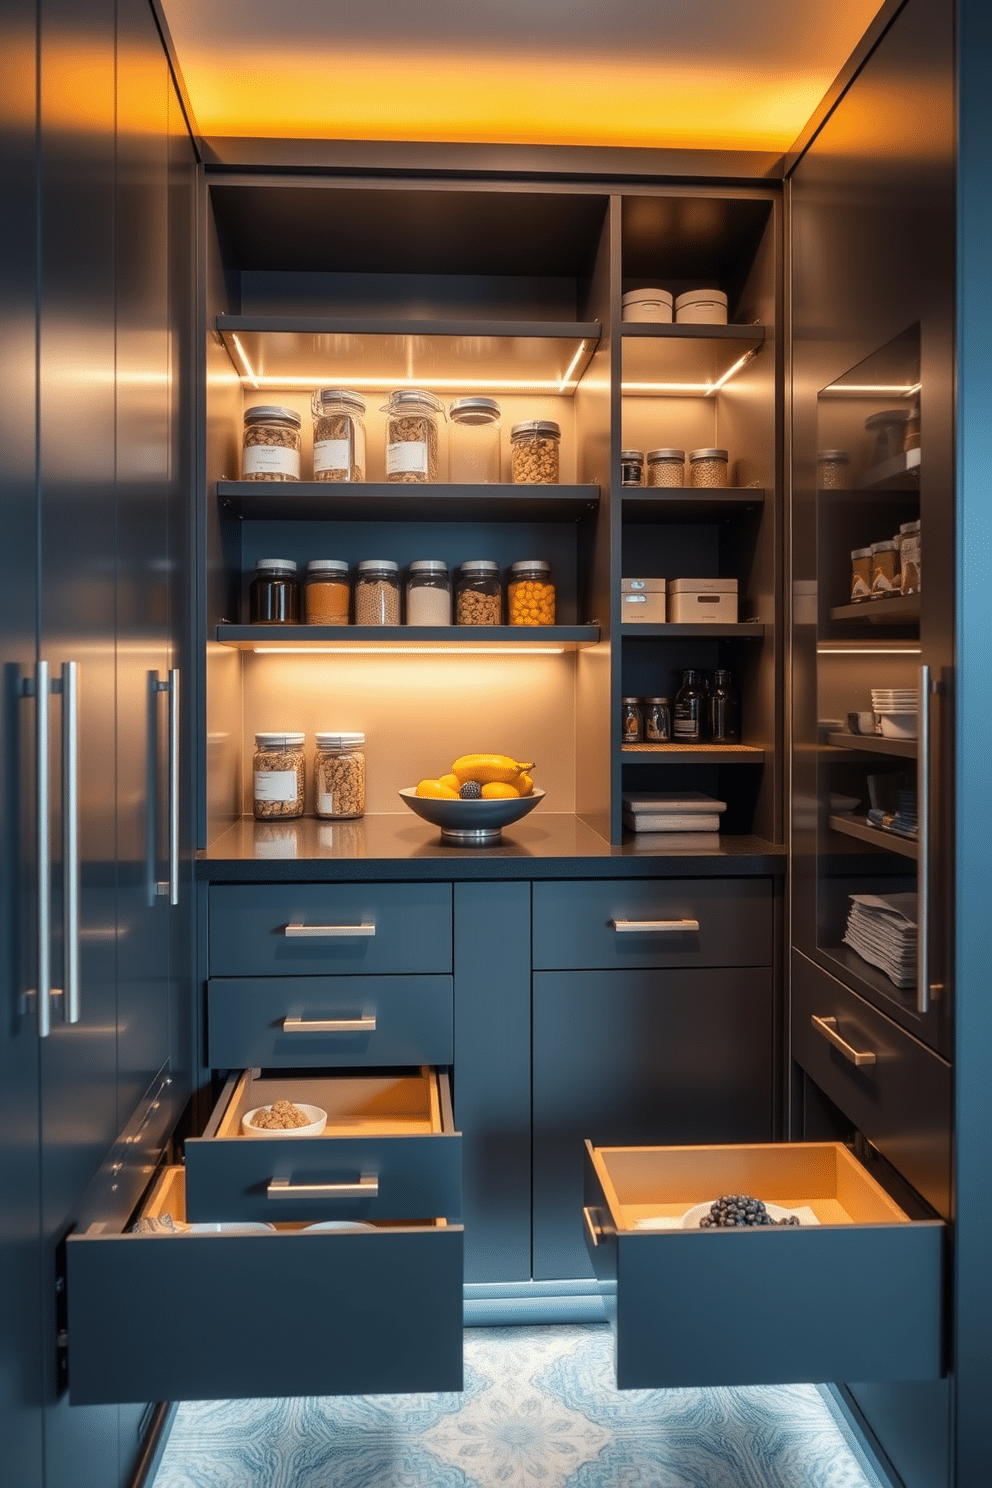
{"x": 401, "y": 650}
{"x": 249, "y": 371}
{"x": 889, "y": 390}
{"x": 696, "y": 389}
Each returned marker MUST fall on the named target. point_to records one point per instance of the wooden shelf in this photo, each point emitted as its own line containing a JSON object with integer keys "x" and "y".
{"x": 692, "y": 754}
{"x": 687, "y": 504}
{"x": 853, "y": 826}
{"x": 399, "y": 638}
{"x": 682, "y": 361}
{"x": 386, "y": 501}
{"x": 901, "y": 473}
{"x": 874, "y": 744}
{"x": 746, "y": 631}
{"x": 901, "y": 609}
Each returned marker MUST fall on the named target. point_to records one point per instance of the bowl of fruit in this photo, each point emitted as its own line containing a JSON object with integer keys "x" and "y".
{"x": 481, "y": 794}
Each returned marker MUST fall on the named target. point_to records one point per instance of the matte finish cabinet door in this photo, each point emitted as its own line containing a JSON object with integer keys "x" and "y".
{"x": 376, "y": 928}
{"x": 639, "y": 1057}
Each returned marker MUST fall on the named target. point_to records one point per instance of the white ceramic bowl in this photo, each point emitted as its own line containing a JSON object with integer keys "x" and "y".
{"x": 898, "y": 725}
{"x": 316, "y": 1124}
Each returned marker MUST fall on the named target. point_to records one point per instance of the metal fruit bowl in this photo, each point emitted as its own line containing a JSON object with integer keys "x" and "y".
{"x": 470, "y": 823}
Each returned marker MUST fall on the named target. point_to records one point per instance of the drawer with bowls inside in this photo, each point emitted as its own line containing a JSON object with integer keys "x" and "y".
{"x": 854, "y": 1291}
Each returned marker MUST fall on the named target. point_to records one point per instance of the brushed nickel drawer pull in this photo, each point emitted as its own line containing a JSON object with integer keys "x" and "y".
{"x": 591, "y": 1226}
{"x": 281, "y": 1188}
{"x": 325, "y": 932}
{"x": 652, "y": 927}
{"x": 827, "y": 1028}
{"x": 329, "y": 1025}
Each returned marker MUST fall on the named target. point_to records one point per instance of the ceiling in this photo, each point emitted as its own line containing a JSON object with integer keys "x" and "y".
{"x": 703, "y": 74}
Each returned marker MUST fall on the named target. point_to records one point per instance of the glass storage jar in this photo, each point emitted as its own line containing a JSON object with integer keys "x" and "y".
{"x": 278, "y": 776}
{"x": 474, "y": 446}
{"x": 631, "y": 721}
{"x": 722, "y": 710}
{"x": 412, "y": 436}
{"x": 860, "y": 574}
{"x": 833, "y": 470}
{"x": 428, "y": 593}
{"x": 274, "y": 593}
{"x": 885, "y": 575}
{"x": 326, "y": 592}
{"x": 666, "y": 467}
{"x": 338, "y": 435}
{"x": 377, "y": 592}
{"x": 530, "y": 594}
{"x": 534, "y": 452}
{"x": 708, "y": 467}
{"x": 657, "y": 712}
{"x": 631, "y": 467}
{"x": 339, "y": 776}
{"x": 910, "y": 556}
{"x": 271, "y": 449}
{"x": 479, "y": 596}
{"x": 687, "y": 720}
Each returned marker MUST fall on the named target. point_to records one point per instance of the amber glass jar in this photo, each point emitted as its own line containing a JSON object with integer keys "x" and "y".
{"x": 274, "y": 593}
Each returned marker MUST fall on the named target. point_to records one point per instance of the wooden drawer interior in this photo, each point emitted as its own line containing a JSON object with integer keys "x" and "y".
{"x": 379, "y": 1103}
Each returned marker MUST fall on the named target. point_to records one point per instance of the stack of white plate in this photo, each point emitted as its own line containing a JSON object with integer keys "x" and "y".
{"x": 896, "y": 711}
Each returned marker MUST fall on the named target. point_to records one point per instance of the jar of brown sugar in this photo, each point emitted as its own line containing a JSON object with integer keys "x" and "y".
{"x": 326, "y": 594}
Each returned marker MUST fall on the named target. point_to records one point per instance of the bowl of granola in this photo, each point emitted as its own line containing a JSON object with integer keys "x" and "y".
{"x": 284, "y": 1119}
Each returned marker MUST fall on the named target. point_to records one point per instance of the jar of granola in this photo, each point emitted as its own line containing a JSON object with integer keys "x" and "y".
{"x": 279, "y": 776}
{"x": 339, "y": 776}
{"x": 534, "y": 451}
{"x": 271, "y": 444}
{"x": 338, "y": 435}
{"x": 479, "y": 598}
{"x": 412, "y": 436}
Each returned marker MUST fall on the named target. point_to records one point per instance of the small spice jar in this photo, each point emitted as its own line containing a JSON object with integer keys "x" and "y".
{"x": 271, "y": 449}
{"x": 885, "y": 577}
{"x": 833, "y": 470}
{"x": 708, "y": 467}
{"x": 631, "y": 720}
{"x": 326, "y": 592}
{"x": 474, "y": 447}
{"x": 910, "y": 557}
{"x": 631, "y": 467}
{"x": 428, "y": 593}
{"x": 339, "y": 776}
{"x": 534, "y": 452}
{"x": 412, "y": 436}
{"x": 377, "y": 592}
{"x": 479, "y": 596}
{"x": 274, "y": 593}
{"x": 338, "y": 435}
{"x": 666, "y": 467}
{"x": 530, "y": 594}
{"x": 657, "y": 713}
{"x": 860, "y": 574}
{"x": 279, "y": 776}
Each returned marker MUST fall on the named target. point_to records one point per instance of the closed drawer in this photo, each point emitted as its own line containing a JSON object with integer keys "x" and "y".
{"x": 327, "y": 929}
{"x": 338, "y": 1022}
{"x": 389, "y": 1151}
{"x": 285, "y": 1312}
{"x": 857, "y": 1296}
{"x": 896, "y": 1092}
{"x": 653, "y": 922}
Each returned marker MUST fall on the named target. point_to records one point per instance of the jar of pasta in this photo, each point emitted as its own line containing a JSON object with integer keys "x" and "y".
{"x": 278, "y": 776}
{"x": 530, "y": 594}
{"x": 412, "y": 436}
{"x": 271, "y": 449}
{"x": 338, "y": 435}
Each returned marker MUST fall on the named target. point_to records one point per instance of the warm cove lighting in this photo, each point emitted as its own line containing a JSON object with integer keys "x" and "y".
{"x": 401, "y": 650}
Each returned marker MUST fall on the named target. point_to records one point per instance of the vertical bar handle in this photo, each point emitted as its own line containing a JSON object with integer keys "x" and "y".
{"x": 71, "y": 1008}
{"x": 923, "y": 847}
{"x": 44, "y": 863}
{"x": 170, "y": 888}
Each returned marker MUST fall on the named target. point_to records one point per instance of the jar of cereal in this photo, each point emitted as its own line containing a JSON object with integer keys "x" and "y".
{"x": 479, "y": 597}
{"x": 271, "y": 448}
{"x": 278, "y": 776}
{"x": 339, "y": 776}
{"x": 338, "y": 435}
{"x": 534, "y": 449}
{"x": 412, "y": 436}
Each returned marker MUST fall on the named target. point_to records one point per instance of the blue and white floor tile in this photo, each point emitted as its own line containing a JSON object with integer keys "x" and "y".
{"x": 539, "y": 1410}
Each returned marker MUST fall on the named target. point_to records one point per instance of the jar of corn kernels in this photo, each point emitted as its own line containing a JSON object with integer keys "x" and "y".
{"x": 530, "y": 593}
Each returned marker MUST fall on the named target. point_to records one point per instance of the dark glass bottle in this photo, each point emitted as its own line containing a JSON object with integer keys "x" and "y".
{"x": 687, "y": 714}
{"x": 723, "y": 714}
{"x": 274, "y": 593}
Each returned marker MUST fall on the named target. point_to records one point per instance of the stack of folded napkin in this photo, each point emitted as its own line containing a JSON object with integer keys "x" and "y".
{"x": 673, "y": 811}
{"x": 881, "y": 929}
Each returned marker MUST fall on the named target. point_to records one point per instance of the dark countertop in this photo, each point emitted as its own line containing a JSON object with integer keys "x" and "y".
{"x": 399, "y": 846}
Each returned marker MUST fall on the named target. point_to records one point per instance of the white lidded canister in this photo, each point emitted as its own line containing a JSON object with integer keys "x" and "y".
{"x": 648, "y": 305}
{"x": 701, "y": 307}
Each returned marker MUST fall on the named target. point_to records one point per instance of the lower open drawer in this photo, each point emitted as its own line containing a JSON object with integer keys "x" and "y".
{"x": 855, "y": 1292}
{"x": 286, "y": 1311}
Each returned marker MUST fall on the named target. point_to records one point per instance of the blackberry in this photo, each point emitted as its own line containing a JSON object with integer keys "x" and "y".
{"x": 739, "y": 1211}
{"x": 471, "y": 791}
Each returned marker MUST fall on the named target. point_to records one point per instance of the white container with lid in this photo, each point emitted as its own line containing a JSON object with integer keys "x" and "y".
{"x": 702, "y": 601}
{"x": 642, "y": 601}
{"x": 701, "y": 307}
{"x": 648, "y": 305}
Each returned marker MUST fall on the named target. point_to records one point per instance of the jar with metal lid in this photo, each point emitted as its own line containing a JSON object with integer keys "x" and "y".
{"x": 413, "y": 436}
{"x": 534, "y": 452}
{"x": 338, "y": 435}
{"x": 910, "y": 557}
{"x": 326, "y": 592}
{"x": 339, "y": 776}
{"x": 271, "y": 448}
{"x": 530, "y": 594}
{"x": 428, "y": 593}
{"x": 631, "y": 467}
{"x": 708, "y": 467}
{"x": 631, "y": 720}
{"x": 278, "y": 776}
{"x": 377, "y": 592}
{"x": 860, "y": 574}
{"x": 474, "y": 446}
{"x": 657, "y": 713}
{"x": 479, "y": 596}
{"x": 833, "y": 470}
{"x": 885, "y": 575}
{"x": 666, "y": 467}
{"x": 274, "y": 593}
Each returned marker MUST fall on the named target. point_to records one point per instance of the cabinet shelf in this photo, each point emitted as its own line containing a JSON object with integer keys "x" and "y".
{"x": 743, "y": 631}
{"x": 901, "y": 609}
{"x": 679, "y": 361}
{"x": 379, "y": 353}
{"x": 853, "y": 826}
{"x": 901, "y": 472}
{"x": 684, "y": 504}
{"x": 873, "y": 744}
{"x": 291, "y": 639}
{"x": 692, "y": 754}
{"x": 381, "y": 501}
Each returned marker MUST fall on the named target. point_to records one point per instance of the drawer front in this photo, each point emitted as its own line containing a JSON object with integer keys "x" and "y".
{"x": 901, "y": 1100}
{"x": 332, "y": 1022}
{"x": 328, "y": 929}
{"x": 779, "y": 1306}
{"x": 207, "y": 1317}
{"x": 653, "y": 922}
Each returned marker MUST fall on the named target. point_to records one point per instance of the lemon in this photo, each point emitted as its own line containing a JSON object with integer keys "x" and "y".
{"x": 437, "y": 789}
{"x": 498, "y": 790}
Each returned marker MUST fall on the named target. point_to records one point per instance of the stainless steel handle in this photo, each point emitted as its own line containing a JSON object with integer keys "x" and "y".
{"x": 324, "y": 932}
{"x": 652, "y": 927}
{"x": 924, "y": 987}
{"x": 329, "y": 1025}
{"x": 44, "y": 885}
{"x": 170, "y": 887}
{"x": 591, "y": 1226}
{"x": 71, "y": 998}
{"x": 281, "y": 1188}
{"x": 827, "y": 1028}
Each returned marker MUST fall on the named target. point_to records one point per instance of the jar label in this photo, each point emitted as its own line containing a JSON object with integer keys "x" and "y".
{"x": 686, "y": 722}
{"x": 407, "y": 457}
{"x": 270, "y": 459}
{"x": 332, "y": 454}
{"x": 275, "y": 785}
{"x": 325, "y": 803}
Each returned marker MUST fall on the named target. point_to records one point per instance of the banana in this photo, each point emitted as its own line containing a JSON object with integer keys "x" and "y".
{"x": 489, "y": 768}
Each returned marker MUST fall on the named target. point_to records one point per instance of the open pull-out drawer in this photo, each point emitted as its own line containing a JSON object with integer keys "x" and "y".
{"x": 855, "y": 1292}
{"x": 290, "y": 1311}
{"x": 389, "y": 1150}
